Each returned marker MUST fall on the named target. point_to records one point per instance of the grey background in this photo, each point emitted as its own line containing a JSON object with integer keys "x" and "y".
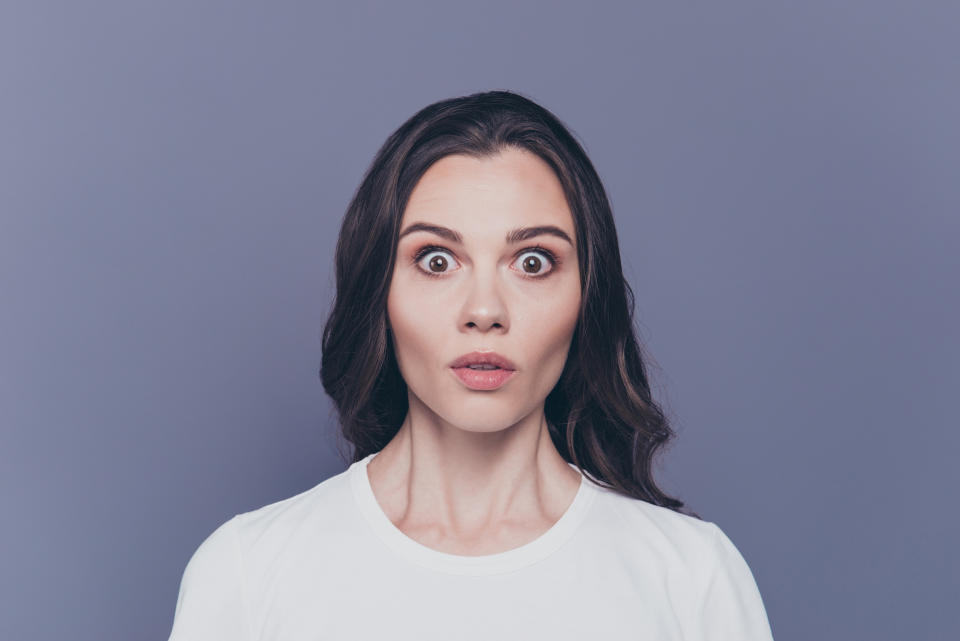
{"x": 784, "y": 180}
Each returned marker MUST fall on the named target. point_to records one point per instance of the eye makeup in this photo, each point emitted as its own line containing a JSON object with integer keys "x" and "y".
{"x": 427, "y": 249}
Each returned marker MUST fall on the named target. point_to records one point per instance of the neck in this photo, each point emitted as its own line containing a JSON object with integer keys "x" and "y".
{"x": 457, "y": 489}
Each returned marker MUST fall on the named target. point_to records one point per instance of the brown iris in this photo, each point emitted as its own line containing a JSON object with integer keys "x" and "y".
{"x": 533, "y": 262}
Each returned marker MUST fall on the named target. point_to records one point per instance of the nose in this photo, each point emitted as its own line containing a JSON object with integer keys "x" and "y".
{"x": 484, "y": 308}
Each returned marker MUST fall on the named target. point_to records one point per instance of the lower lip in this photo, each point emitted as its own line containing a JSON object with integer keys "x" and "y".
{"x": 483, "y": 379}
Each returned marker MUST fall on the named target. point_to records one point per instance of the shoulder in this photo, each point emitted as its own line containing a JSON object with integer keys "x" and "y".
{"x": 688, "y": 550}
{"x": 263, "y": 531}
{"x": 668, "y": 534}
{"x": 694, "y": 559}
{"x": 255, "y": 548}
{"x": 319, "y": 507}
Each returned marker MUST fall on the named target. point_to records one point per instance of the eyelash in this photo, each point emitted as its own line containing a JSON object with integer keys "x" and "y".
{"x": 555, "y": 262}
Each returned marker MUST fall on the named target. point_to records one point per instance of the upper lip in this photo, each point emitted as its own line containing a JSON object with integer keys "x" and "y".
{"x": 484, "y": 358}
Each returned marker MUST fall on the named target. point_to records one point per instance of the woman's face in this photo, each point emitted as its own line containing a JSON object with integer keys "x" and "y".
{"x": 466, "y": 287}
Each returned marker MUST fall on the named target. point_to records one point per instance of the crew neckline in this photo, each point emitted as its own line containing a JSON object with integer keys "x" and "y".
{"x": 486, "y": 564}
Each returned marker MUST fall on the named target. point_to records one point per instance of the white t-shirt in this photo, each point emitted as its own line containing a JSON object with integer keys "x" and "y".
{"x": 328, "y": 564}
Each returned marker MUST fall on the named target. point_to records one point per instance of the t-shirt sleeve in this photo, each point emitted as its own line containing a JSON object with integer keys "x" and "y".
{"x": 210, "y": 604}
{"x": 730, "y": 608}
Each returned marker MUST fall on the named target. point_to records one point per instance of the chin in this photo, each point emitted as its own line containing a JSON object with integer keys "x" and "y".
{"x": 483, "y": 415}
{"x": 479, "y": 427}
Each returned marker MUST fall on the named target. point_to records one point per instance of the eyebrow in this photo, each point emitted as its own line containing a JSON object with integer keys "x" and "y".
{"x": 513, "y": 236}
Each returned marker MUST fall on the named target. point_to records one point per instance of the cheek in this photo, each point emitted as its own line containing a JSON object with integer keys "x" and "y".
{"x": 562, "y": 309}
{"x": 414, "y": 324}
{"x": 550, "y": 325}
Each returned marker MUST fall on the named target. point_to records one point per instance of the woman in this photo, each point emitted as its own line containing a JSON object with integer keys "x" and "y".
{"x": 481, "y": 355}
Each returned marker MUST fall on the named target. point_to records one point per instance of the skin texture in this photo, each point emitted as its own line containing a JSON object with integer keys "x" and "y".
{"x": 475, "y": 472}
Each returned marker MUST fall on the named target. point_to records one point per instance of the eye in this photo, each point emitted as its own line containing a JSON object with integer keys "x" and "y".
{"x": 532, "y": 263}
{"x": 437, "y": 262}
{"x": 535, "y": 262}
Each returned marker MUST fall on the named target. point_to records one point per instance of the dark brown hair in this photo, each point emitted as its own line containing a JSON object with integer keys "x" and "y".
{"x": 600, "y": 414}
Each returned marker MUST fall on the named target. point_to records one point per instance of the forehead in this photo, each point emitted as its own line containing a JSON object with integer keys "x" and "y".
{"x": 490, "y": 194}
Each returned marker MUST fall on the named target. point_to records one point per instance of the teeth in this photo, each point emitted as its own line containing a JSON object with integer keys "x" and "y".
{"x": 483, "y": 367}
